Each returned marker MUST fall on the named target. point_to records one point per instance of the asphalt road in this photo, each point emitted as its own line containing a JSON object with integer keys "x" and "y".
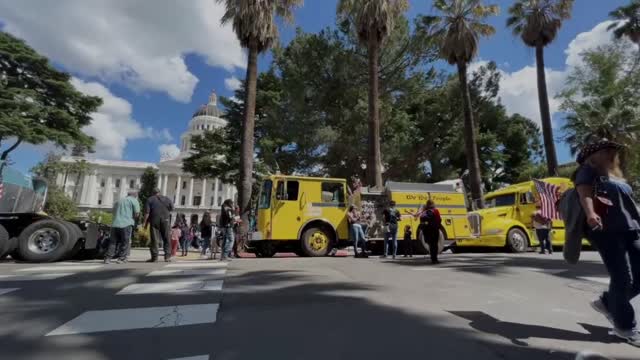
{"x": 471, "y": 306}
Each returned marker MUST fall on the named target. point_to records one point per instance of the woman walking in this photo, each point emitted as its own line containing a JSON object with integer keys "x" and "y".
{"x": 205, "y": 231}
{"x": 430, "y": 222}
{"x": 613, "y": 224}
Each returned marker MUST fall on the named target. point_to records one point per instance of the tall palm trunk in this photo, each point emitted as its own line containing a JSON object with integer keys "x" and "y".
{"x": 247, "y": 150}
{"x": 545, "y": 114}
{"x": 471, "y": 146}
{"x": 374, "y": 158}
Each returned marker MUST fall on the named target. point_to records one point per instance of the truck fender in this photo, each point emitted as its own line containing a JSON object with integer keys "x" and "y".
{"x": 319, "y": 223}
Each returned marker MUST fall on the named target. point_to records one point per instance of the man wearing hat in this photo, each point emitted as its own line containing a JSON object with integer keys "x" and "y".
{"x": 613, "y": 225}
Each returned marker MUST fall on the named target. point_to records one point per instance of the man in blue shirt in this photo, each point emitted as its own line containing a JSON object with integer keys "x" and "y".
{"x": 125, "y": 211}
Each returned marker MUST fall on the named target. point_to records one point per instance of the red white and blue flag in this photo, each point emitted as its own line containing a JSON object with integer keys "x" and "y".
{"x": 548, "y": 195}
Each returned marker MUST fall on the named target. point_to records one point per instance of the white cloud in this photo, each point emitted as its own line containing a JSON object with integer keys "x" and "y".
{"x": 519, "y": 89}
{"x": 112, "y": 125}
{"x": 168, "y": 151}
{"x": 139, "y": 44}
{"x": 232, "y": 83}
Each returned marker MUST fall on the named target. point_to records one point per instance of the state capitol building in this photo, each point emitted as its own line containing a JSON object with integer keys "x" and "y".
{"x": 109, "y": 180}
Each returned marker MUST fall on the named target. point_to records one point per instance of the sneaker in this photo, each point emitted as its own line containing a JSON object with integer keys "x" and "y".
{"x": 630, "y": 336}
{"x": 152, "y": 260}
{"x": 394, "y": 257}
{"x": 107, "y": 261}
{"x": 168, "y": 259}
{"x": 599, "y": 306}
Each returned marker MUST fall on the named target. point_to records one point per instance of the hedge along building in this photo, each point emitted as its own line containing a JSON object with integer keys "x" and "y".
{"x": 106, "y": 181}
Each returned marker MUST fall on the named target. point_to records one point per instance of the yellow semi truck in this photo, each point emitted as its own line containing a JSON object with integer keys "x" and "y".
{"x": 308, "y": 215}
{"x": 506, "y": 222}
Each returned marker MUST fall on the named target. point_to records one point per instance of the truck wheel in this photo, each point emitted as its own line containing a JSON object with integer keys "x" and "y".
{"x": 316, "y": 242}
{"x": 517, "y": 241}
{"x": 44, "y": 241}
{"x": 4, "y": 242}
{"x": 75, "y": 245}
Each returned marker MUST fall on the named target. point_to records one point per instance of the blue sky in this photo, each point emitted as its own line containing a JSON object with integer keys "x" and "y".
{"x": 158, "y": 61}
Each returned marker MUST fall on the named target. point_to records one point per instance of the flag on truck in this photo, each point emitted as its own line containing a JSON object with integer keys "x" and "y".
{"x": 548, "y": 195}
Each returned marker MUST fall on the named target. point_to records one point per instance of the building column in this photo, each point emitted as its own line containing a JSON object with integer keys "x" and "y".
{"x": 108, "y": 192}
{"x": 204, "y": 193}
{"x": 91, "y": 190}
{"x": 190, "y": 199}
{"x": 215, "y": 194}
{"x": 178, "y": 188}
{"x": 85, "y": 188}
{"x": 164, "y": 184}
{"x": 123, "y": 187}
{"x": 159, "y": 182}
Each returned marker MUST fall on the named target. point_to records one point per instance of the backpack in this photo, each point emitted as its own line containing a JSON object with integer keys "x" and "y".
{"x": 574, "y": 218}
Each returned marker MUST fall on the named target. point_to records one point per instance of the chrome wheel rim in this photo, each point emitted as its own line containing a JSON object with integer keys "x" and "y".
{"x": 44, "y": 241}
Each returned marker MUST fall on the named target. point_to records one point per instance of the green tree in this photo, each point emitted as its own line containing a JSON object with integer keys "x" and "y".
{"x": 148, "y": 183}
{"x": 59, "y": 205}
{"x": 600, "y": 99}
{"x": 254, "y": 22}
{"x": 627, "y": 21}
{"x": 456, "y": 28}
{"x": 38, "y": 102}
{"x": 537, "y": 23}
{"x": 101, "y": 217}
{"x": 373, "y": 20}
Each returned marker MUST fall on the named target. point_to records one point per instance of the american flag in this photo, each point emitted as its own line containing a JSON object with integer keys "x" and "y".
{"x": 549, "y": 194}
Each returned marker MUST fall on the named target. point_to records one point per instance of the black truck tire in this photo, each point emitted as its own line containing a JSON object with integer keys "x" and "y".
{"x": 316, "y": 242}
{"x": 44, "y": 241}
{"x": 75, "y": 242}
{"x": 4, "y": 242}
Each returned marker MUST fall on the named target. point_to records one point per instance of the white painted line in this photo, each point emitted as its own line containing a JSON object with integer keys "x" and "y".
{"x": 598, "y": 279}
{"x": 210, "y": 264}
{"x": 189, "y": 272}
{"x": 200, "y": 357}
{"x": 7, "y": 290}
{"x": 538, "y": 270}
{"x": 436, "y": 267}
{"x": 138, "y": 318}
{"x": 33, "y": 277}
{"x": 60, "y": 268}
{"x": 172, "y": 287}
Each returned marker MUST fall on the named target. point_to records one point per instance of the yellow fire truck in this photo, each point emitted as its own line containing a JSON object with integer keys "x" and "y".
{"x": 308, "y": 215}
{"x": 507, "y": 222}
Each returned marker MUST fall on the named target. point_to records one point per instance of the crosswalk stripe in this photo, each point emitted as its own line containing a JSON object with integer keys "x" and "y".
{"x": 200, "y": 264}
{"x": 598, "y": 279}
{"x": 172, "y": 287}
{"x": 31, "y": 277}
{"x": 200, "y": 357}
{"x": 60, "y": 268}
{"x": 138, "y": 318}
{"x": 188, "y": 272}
{"x": 7, "y": 290}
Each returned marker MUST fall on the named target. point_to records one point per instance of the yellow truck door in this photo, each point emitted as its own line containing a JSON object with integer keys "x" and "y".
{"x": 285, "y": 214}
{"x": 333, "y": 206}
{"x": 263, "y": 214}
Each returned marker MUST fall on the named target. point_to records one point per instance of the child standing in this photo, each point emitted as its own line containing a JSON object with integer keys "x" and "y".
{"x": 176, "y": 234}
{"x": 408, "y": 245}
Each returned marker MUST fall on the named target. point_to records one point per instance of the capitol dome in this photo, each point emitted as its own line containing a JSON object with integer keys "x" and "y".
{"x": 208, "y": 117}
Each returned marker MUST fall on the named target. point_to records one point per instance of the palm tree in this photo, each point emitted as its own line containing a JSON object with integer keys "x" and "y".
{"x": 457, "y": 28}
{"x": 537, "y": 23}
{"x": 628, "y": 21}
{"x": 254, "y": 22}
{"x": 373, "y": 21}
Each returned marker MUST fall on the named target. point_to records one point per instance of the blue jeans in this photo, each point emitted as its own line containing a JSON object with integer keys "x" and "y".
{"x": 620, "y": 252}
{"x": 227, "y": 242}
{"x": 391, "y": 235}
{"x": 120, "y": 241}
{"x": 357, "y": 234}
{"x": 206, "y": 242}
{"x": 545, "y": 241}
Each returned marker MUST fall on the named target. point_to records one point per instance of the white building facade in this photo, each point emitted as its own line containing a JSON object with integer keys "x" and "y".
{"x": 106, "y": 181}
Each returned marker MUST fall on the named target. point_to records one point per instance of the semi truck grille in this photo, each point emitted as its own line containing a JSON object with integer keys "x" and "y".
{"x": 475, "y": 224}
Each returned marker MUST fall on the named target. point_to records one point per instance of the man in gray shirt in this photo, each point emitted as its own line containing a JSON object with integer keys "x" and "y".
{"x": 158, "y": 214}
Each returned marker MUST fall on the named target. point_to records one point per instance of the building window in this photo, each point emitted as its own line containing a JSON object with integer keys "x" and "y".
{"x": 117, "y": 183}
{"x": 183, "y": 200}
{"x": 132, "y": 184}
{"x": 184, "y": 185}
{"x": 213, "y": 186}
{"x": 211, "y": 204}
{"x": 99, "y": 199}
{"x": 219, "y": 201}
{"x": 101, "y": 182}
{"x": 197, "y": 200}
{"x": 220, "y": 186}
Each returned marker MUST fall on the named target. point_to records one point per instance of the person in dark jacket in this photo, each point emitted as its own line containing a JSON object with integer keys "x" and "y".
{"x": 158, "y": 215}
{"x": 205, "y": 232}
{"x": 391, "y": 217}
{"x": 408, "y": 245}
{"x": 227, "y": 222}
{"x": 613, "y": 226}
{"x": 430, "y": 222}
